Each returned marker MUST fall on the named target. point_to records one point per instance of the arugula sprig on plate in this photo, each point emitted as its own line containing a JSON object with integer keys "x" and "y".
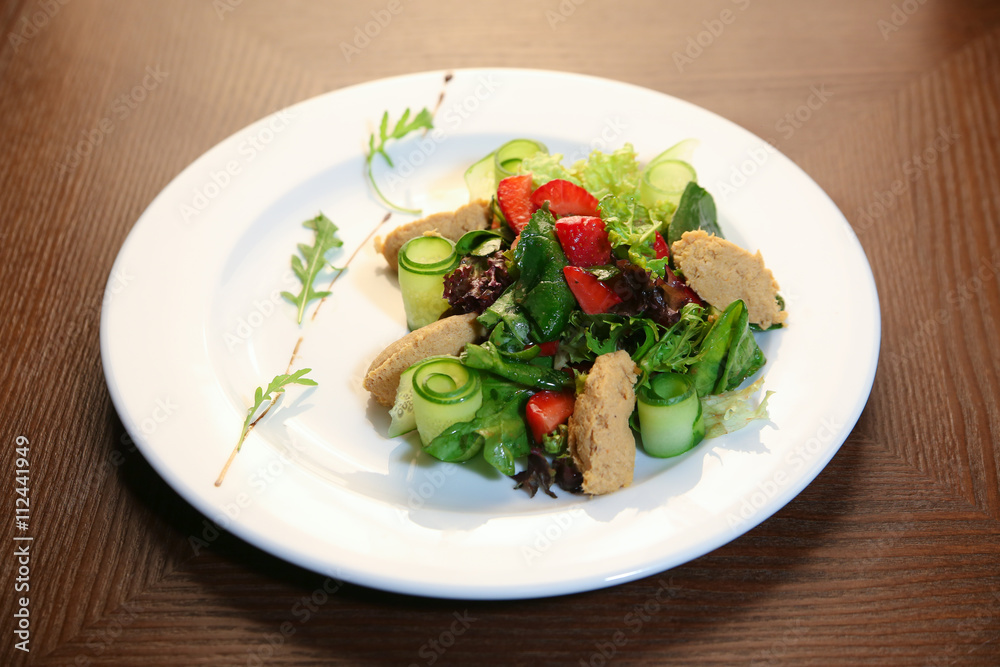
{"x": 315, "y": 260}
{"x": 424, "y": 120}
{"x": 270, "y": 395}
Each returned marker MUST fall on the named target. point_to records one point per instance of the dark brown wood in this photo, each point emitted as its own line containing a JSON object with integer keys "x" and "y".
{"x": 892, "y": 555}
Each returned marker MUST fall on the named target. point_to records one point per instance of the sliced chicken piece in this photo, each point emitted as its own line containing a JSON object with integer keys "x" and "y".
{"x": 452, "y": 226}
{"x": 600, "y": 439}
{"x": 447, "y": 336}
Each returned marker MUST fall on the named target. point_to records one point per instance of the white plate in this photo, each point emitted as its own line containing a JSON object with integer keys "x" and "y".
{"x": 192, "y": 325}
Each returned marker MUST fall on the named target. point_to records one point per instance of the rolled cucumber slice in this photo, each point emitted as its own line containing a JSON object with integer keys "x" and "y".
{"x": 401, "y": 411}
{"x": 444, "y": 393}
{"x": 665, "y": 180}
{"x": 423, "y": 263}
{"x": 508, "y": 157}
{"x": 670, "y": 419}
{"x": 682, "y": 150}
{"x": 481, "y": 179}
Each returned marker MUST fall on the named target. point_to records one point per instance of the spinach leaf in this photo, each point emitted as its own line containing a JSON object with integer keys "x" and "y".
{"x": 487, "y": 357}
{"x": 696, "y": 210}
{"x": 505, "y": 310}
{"x": 729, "y": 353}
{"x": 541, "y": 290}
{"x": 482, "y": 242}
{"x": 744, "y": 359}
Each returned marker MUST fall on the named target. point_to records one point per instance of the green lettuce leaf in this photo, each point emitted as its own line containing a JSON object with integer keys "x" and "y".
{"x": 616, "y": 173}
{"x": 544, "y": 168}
{"x": 732, "y": 410}
{"x": 632, "y": 231}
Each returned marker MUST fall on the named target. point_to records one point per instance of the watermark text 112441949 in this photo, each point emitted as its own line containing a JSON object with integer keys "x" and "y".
{"x": 22, "y": 544}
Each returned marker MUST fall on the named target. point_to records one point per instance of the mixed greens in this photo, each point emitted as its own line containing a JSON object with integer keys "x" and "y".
{"x": 578, "y": 265}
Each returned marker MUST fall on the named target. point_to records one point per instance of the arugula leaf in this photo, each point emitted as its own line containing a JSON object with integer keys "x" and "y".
{"x": 271, "y": 394}
{"x": 424, "y": 120}
{"x": 541, "y": 289}
{"x": 277, "y": 387}
{"x": 315, "y": 255}
{"x": 678, "y": 348}
{"x": 654, "y": 348}
{"x": 696, "y": 210}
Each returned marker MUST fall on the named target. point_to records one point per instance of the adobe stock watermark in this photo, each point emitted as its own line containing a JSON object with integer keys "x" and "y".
{"x": 632, "y": 624}
{"x": 697, "y": 44}
{"x": 87, "y": 315}
{"x": 420, "y": 492}
{"x": 792, "y": 121}
{"x": 121, "y": 108}
{"x": 901, "y": 13}
{"x": 29, "y": 26}
{"x": 928, "y": 329}
{"x": 98, "y": 641}
{"x": 261, "y": 311}
{"x": 883, "y": 201}
{"x": 223, "y": 7}
{"x": 433, "y": 649}
{"x": 454, "y": 115}
{"x": 259, "y": 480}
{"x": 603, "y": 141}
{"x": 795, "y": 462}
{"x": 247, "y": 151}
{"x": 363, "y": 35}
{"x": 302, "y": 611}
{"x": 566, "y": 8}
{"x": 973, "y": 635}
{"x": 543, "y": 538}
{"x": 776, "y": 652}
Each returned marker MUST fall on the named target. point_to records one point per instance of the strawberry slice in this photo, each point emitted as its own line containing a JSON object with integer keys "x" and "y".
{"x": 584, "y": 240}
{"x": 660, "y": 247}
{"x": 548, "y": 409}
{"x": 565, "y": 198}
{"x": 593, "y": 296}
{"x": 514, "y": 198}
{"x": 547, "y": 349}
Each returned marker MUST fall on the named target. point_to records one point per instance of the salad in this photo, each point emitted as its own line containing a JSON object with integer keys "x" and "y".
{"x": 567, "y": 309}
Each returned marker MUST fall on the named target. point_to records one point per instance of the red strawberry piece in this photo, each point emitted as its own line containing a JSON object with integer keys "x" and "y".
{"x": 548, "y": 409}
{"x": 593, "y": 296}
{"x": 548, "y": 349}
{"x": 584, "y": 240}
{"x": 514, "y": 198}
{"x": 565, "y": 198}
{"x": 660, "y": 247}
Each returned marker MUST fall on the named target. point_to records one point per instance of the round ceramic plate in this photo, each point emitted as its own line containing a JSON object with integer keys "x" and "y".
{"x": 194, "y": 322}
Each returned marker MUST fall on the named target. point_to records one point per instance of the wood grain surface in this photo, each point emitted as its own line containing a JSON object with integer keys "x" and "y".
{"x": 891, "y": 556}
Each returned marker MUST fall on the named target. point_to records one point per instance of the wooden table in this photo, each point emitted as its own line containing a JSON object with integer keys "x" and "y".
{"x": 891, "y": 556}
